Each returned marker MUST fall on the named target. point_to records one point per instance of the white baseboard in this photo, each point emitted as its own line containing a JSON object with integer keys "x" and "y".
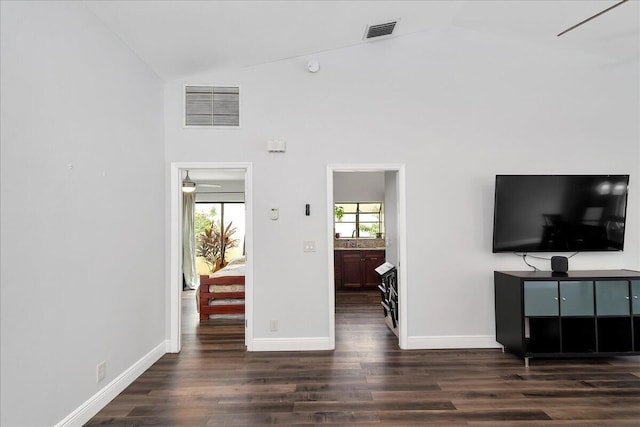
{"x": 99, "y": 400}
{"x": 290, "y": 344}
{"x": 414, "y": 343}
{"x": 452, "y": 341}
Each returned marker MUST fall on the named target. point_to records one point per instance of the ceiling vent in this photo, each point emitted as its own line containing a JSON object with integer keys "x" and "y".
{"x": 212, "y": 106}
{"x": 380, "y": 30}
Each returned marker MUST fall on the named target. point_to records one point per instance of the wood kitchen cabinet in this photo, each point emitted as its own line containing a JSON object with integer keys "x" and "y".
{"x": 372, "y": 260}
{"x": 355, "y": 269}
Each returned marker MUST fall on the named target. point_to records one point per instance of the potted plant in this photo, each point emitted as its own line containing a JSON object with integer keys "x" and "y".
{"x": 338, "y": 211}
{"x": 213, "y": 243}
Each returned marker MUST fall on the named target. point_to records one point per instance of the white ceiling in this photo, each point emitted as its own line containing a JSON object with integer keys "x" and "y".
{"x": 183, "y": 38}
{"x": 217, "y": 175}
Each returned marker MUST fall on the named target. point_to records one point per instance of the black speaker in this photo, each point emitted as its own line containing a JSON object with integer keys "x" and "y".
{"x": 559, "y": 264}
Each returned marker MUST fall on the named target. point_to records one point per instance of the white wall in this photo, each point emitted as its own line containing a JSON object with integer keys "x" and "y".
{"x": 358, "y": 186}
{"x": 231, "y": 192}
{"x": 82, "y": 211}
{"x": 456, "y": 107}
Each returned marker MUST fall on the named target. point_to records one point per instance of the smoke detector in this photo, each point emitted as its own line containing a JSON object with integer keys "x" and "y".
{"x": 380, "y": 30}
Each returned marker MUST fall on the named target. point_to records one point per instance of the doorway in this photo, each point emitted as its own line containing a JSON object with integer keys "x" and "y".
{"x": 175, "y": 255}
{"x": 395, "y": 235}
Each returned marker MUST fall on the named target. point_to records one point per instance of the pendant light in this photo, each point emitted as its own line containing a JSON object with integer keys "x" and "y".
{"x": 188, "y": 186}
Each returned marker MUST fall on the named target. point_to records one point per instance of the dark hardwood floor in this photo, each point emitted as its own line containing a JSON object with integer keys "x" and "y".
{"x": 368, "y": 380}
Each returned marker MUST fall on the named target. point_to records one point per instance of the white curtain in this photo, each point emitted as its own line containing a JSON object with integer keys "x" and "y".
{"x": 188, "y": 241}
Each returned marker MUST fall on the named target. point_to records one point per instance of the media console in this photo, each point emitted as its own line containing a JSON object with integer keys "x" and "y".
{"x": 579, "y": 313}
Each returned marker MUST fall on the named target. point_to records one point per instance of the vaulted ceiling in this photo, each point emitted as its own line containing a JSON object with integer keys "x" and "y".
{"x": 184, "y": 38}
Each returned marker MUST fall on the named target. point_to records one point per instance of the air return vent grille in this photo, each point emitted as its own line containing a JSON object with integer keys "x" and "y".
{"x": 380, "y": 30}
{"x": 212, "y": 106}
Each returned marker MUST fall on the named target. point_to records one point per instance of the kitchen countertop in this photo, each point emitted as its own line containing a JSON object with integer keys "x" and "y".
{"x": 358, "y": 249}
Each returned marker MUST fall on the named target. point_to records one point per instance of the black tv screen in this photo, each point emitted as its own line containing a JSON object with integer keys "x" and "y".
{"x": 559, "y": 213}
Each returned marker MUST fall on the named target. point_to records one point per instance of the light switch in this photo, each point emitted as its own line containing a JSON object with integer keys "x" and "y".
{"x": 274, "y": 213}
{"x": 309, "y": 246}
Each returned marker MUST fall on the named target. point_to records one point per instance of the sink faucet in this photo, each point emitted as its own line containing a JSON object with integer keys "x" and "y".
{"x": 353, "y": 233}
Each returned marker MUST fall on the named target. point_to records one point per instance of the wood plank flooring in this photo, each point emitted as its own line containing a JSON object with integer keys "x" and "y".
{"x": 367, "y": 380}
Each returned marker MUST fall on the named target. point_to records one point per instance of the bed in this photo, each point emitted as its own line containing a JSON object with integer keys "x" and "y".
{"x": 222, "y": 293}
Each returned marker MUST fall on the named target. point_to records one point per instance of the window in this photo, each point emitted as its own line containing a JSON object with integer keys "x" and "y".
{"x": 358, "y": 220}
{"x": 212, "y": 106}
{"x": 208, "y": 214}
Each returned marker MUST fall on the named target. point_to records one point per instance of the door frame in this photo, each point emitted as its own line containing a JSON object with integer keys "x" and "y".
{"x": 402, "y": 243}
{"x": 175, "y": 248}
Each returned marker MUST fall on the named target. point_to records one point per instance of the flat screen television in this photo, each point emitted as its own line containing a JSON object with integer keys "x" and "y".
{"x": 559, "y": 213}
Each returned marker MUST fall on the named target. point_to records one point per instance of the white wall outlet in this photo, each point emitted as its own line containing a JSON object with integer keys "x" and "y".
{"x": 309, "y": 246}
{"x": 101, "y": 371}
{"x": 273, "y": 325}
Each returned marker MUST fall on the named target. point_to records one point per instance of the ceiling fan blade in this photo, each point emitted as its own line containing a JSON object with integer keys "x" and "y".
{"x": 592, "y": 17}
{"x": 204, "y": 184}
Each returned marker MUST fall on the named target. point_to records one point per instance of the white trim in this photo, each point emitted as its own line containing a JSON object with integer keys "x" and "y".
{"x": 402, "y": 243}
{"x": 174, "y": 277}
{"x": 331, "y": 261}
{"x": 292, "y": 344}
{"x": 109, "y": 392}
{"x": 175, "y": 233}
{"x": 403, "y": 301}
{"x": 248, "y": 246}
{"x": 452, "y": 342}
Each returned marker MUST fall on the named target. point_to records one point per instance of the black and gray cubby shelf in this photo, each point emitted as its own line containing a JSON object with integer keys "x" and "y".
{"x": 580, "y": 313}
